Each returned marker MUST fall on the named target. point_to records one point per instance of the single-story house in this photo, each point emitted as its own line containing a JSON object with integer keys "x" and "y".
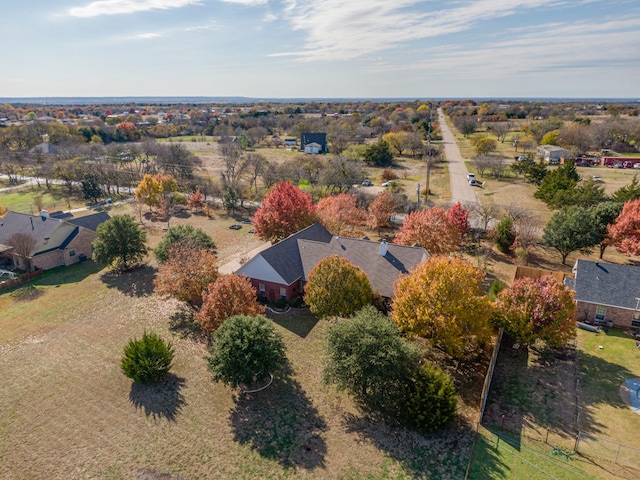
{"x": 308, "y": 139}
{"x": 290, "y": 142}
{"x": 281, "y": 271}
{"x": 552, "y": 153}
{"x": 51, "y": 242}
{"x": 606, "y": 292}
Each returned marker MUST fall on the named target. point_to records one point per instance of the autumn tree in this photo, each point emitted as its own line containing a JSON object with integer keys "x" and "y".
{"x": 229, "y": 295}
{"x": 23, "y": 245}
{"x": 129, "y": 130}
{"x": 196, "y": 201}
{"x": 187, "y": 271}
{"x": 486, "y": 146}
{"x": 119, "y": 242}
{"x": 284, "y": 211}
{"x": 148, "y": 191}
{"x": 443, "y": 300}
{"x": 183, "y": 234}
{"x": 431, "y": 230}
{"x": 624, "y": 233}
{"x": 537, "y": 309}
{"x": 399, "y": 141}
{"x": 381, "y": 210}
{"x": 337, "y": 211}
{"x": 459, "y": 217}
{"x": 337, "y": 287}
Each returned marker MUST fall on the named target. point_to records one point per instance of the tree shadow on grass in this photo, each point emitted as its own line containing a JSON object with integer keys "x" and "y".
{"x": 281, "y": 424}
{"x": 184, "y": 324}
{"x": 71, "y": 274}
{"x": 440, "y": 455}
{"x": 299, "y": 321}
{"x": 162, "y": 399}
{"x": 137, "y": 282}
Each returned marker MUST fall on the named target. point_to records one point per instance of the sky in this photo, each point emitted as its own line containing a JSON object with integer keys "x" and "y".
{"x": 321, "y": 48}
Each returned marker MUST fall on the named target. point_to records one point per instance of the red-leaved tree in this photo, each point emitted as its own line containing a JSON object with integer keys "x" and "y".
{"x": 381, "y": 210}
{"x": 459, "y": 218}
{"x": 624, "y": 233}
{"x": 532, "y": 309}
{"x": 431, "y": 230}
{"x": 196, "y": 201}
{"x": 339, "y": 211}
{"x": 229, "y": 295}
{"x": 284, "y": 211}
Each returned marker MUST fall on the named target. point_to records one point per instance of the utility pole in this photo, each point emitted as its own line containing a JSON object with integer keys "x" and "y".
{"x": 426, "y": 195}
{"x": 418, "y": 193}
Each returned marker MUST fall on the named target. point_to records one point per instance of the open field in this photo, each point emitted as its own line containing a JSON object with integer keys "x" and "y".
{"x": 66, "y": 410}
{"x": 57, "y": 198}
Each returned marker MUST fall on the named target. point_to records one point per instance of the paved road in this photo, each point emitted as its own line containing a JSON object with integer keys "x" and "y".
{"x": 460, "y": 188}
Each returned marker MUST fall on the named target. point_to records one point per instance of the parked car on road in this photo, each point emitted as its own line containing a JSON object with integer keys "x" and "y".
{"x": 597, "y": 179}
{"x": 471, "y": 176}
{"x": 387, "y": 184}
{"x": 475, "y": 183}
{"x": 367, "y": 183}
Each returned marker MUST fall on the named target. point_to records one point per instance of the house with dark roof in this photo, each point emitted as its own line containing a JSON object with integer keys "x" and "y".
{"x": 51, "y": 242}
{"x": 281, "y": 271}
{"x": 606, "y": 293}
{"x": 313, "y": 143}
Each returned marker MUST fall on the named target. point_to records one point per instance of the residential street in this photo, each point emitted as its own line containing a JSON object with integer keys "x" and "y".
{"x": 460, "y": 188}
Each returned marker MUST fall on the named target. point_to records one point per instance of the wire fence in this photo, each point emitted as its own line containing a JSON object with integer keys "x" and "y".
{"x": 590, "y": 446}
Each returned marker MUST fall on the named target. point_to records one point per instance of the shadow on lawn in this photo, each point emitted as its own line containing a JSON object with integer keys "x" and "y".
{"x": 444, "y": 454}
{"x": 299, "y": 321}
{"x": 72, "y": 274}
{"x": 184, "y": 324}
{"x": 134, "y": 283}
{"x": 162, "y": 399}
{"x": 280, "y": 423}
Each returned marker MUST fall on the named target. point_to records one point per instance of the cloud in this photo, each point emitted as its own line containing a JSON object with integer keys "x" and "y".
{"x": 340, "y": 30}
{"x": 146, "y": 36}
{"x": 115, "y": 7}
{"x": 207, "y": 26}
{"x": 248, "y": 2}
{"x": 270, "y": 17}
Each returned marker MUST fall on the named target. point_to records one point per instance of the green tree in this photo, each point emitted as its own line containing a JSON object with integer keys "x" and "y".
{"x": 337, "y": 287}
{"x": 604, "y": 214}
{"x": 245, "y": 350}
{"x": 430, "y": 403}
{"x": 505, "y": 235}
{"x": 367, "y": 357}
{"x": 91, "y": 188}
{"x": 230, "y": 199}
{"x": 147, "y": 359}
{"x": 556, "y": 184}
{"x": 550, "y": 138}
{"x": 570, "y": 230}
{"x": 378, "y": 155}
{"x": 183, "y": 234}
{"x": 119, "y": 242}
{"x": 537, "y": 309}
{"x": 530, "y": 170}
{"x": 628, "y": 192}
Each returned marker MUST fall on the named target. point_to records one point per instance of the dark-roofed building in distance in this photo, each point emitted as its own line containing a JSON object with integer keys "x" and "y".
{"x": 606, "y": 293}
{"x": 313, "y": 143}
{"x": 281, "y": 271}
{"x": 53, "y": 241}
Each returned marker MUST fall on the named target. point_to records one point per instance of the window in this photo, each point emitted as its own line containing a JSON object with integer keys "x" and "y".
{"x": 283, "y": 293}
{"x": 72, "y": 253}
{"x": 263, "y": 291}
{"x": 601, "y": 310}
{"x": 635, "y": 323}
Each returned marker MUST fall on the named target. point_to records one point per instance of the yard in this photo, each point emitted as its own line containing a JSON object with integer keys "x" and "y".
{"x": 66, "y": 410}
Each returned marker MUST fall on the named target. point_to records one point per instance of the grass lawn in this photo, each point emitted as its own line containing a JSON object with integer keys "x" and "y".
{"x": 66, "y": 410}
{"x": 57, "y": 198}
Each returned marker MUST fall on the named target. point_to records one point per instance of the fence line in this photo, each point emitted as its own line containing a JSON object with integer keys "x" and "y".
{"x": 487, "y": 379}
{"x": 615, "y": 452}
{"x": 21, "y": 279}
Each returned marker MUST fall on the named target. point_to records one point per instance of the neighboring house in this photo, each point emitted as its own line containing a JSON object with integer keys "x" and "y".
{"x": 290, "y": 142}
{"x": 45, "y": 148}
{"x": 307, "y": 141}
{"x": 56, "y": 242}
{"x": 606, "y": 292}
{"x": 281, "y": 271}
{"x": 552, "y": 153}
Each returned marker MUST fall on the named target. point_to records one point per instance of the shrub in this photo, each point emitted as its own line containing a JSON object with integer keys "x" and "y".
{"x": 505, "y": 235}
{"x": 431, "y": 402}
{"x": 496, "y": 287}
{"x": 148, "y": 359}
{"x": 389, "y": 174}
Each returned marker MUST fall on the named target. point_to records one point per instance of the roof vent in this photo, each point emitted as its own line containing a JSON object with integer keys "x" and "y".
{"x": 383, "y": 248}
{"x": 44, "y": 214}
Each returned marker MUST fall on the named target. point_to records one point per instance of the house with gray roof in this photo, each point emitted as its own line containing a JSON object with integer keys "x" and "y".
{"x": 30, "y": 242}
{"x": 313, "y": 143}
{"x": 606, "y": 293}
{"x": 281, "y": 271}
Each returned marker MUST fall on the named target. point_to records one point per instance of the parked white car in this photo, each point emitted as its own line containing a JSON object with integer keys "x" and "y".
{"x": 471, "y": 176}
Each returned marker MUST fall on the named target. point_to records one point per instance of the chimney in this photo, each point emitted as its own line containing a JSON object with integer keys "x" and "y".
{"x": 44, "y": 214}
{"x": 383, "y": 248}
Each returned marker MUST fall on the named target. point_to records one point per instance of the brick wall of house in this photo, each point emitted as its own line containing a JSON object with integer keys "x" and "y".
{"x": 80, "y": 245}
{"x": 49, "y": 260}
{"x": 620, "y": 317}
{"x": 272, "y": 290}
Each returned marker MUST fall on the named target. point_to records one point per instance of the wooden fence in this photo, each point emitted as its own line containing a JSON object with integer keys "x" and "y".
{"x": 21, "y": 279}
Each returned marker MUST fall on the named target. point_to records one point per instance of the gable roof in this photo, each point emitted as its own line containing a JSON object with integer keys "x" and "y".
{"x": 49, "y": 233}
{"x": 608, "y": 284}
{"x": 293, "y": 258}
{"x": 313, "y": 137}
{"x": 92, "y": 221}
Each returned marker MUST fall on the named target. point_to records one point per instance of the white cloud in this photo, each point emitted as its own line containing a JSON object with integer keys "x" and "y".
{"x": 206, "y": 26}
{"x": 146, "y": 36}
{"x": 248, "y": 2}
{"x": 114, "y": 7}
{"x": 269, "y": 17}
{"x": 341, "y": 30}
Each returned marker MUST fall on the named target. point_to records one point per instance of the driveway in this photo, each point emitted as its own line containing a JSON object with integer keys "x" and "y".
{"x": 460, "y": 188}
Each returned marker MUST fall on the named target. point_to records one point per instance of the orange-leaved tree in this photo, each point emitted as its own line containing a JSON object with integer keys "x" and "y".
{"x": 624, "y": 233}
{"x": 531, "y": 309}
{"x": 459, "y": 218}
{"x": 229, "y": 295}
{"x": 284, "y": 211}
{"x": 337, "y": 287}
{"x": 337, "y": 211}
{"x": 196, "y": 201}
{"x": 381, "y": 211}
{"x": 442, "y": 300}
{"x": 187, "y": 271}
{"x": 431, "y": 229}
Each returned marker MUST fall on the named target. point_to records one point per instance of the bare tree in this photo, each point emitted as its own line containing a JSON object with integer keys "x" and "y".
{"x": 486, "y": 213}
{"x": 482, "y": 162}
{"x": 23, "y": 244}
{"x": 501, "y": 129}
{"x": 497, "y": 165}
